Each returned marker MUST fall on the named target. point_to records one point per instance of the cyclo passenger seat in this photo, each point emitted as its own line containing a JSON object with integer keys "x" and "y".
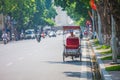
{"x": 72, "y": 43}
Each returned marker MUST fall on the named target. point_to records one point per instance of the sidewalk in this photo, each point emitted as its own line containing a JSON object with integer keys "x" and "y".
{"x": 106, "y": 75}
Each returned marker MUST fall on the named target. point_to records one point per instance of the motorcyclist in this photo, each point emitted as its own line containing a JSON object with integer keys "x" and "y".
{"x": 38, "y": 36}
{"x": 81, "y": 35}
{"x": 22, "y": 36}
{"x": 5, "y": 37}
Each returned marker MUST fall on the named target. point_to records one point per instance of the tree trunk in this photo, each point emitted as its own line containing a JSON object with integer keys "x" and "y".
{"x": 99, "y": 29}
{"x": 93, "y": 19}
{"x": 113, "y": 41}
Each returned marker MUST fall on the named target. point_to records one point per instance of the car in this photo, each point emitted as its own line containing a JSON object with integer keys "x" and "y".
{"x": 52, "y": 34}
{"x": 29, "y": 34}
{"x": 59, "y": 32}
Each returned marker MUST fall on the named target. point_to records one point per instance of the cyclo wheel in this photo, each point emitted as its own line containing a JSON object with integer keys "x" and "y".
{"x": 63, "y": 56}
{"x": 80, "y": 55}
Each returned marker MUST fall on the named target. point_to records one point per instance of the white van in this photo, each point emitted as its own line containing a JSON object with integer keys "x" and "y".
{"x": 30, "y": 34}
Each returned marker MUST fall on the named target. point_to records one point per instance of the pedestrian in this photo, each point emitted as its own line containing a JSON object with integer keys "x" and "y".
{"x": 81, "y": 35}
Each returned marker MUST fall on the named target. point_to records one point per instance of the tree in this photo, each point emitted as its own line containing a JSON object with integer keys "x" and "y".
{"x": 76, "y": 9}
{"x": 29, "y": 13}
{"x": 44, "y": 13}
{"x": 109, "y": 12}
{"x": 105, "y": 24}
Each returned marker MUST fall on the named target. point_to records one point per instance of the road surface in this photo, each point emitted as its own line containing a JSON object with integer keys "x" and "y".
{"x": 30, "y": 60}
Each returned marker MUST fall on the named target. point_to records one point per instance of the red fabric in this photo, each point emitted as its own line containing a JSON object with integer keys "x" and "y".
{"x": 71, "y": 27}
{"x": 92, "y": 4}
{"x": 72, "y": 43}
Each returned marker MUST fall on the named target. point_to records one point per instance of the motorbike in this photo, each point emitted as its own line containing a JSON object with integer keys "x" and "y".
{"x": 38, "y": 37}
{"x": 43, "y": 35}
{"x": 5, "y": 41}
{"x": 5, "y": 38}
{"x": 22, "y": 36}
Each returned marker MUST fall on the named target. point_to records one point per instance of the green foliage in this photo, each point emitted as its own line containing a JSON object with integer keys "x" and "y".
{"x": 28, "y": 12}
{"x": 109, "y": 58}
{"x": 76, "y": 9}
{"x": 51, "y": 22}
{"x": 48, "y": 3}
{"x": 104, "y": 47}
{"x": 45, "y": 11}
{"x": 96, "y": 42}
{"x": 51, "y": 13}
{"x": 107, "y": 52}
{"x": 113, "y": 68}
{"x": 80, "y": 21}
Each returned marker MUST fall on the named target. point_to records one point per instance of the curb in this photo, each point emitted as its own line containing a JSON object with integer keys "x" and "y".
{"x": 104, "y": 74}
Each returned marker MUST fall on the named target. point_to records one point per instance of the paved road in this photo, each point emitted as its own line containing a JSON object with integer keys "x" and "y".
{"x": 29, "y": 60}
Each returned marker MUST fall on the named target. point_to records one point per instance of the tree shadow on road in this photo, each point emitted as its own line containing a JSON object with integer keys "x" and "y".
{"x": 74, "y": 62}
{"x": 72, "y": 74}
{"x": 71, "y": 62}
{"x": 79, "y": 74}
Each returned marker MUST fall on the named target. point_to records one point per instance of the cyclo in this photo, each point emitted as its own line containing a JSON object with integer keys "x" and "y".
{"x": 72, "y": 47}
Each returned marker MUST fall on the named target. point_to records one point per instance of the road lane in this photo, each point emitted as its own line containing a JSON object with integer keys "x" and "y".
{"x": 29, "y": 60}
